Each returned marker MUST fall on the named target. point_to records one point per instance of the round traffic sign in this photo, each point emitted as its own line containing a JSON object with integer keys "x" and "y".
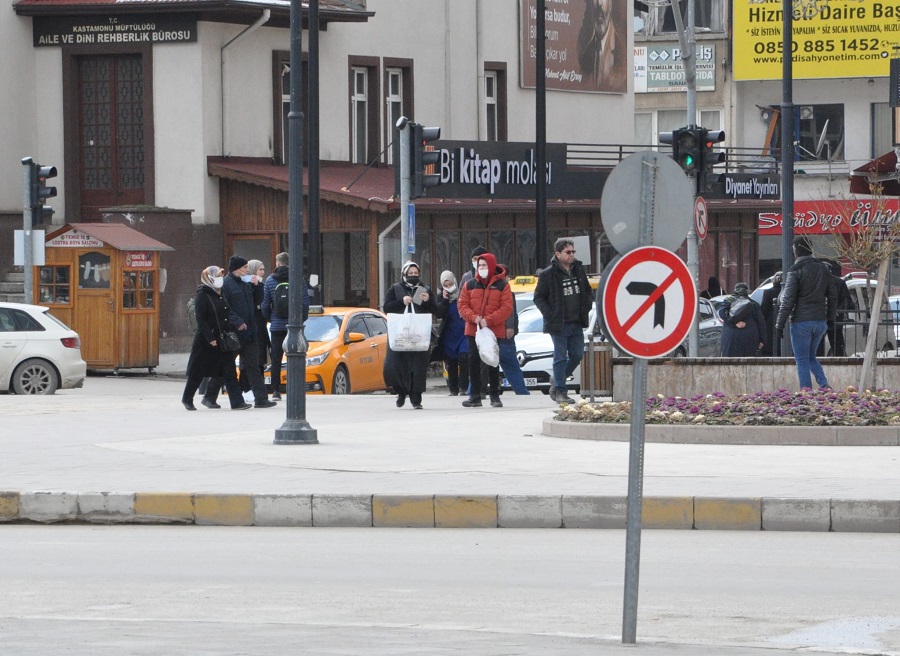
{"x": 648, "y": 301}
{"x": 671, "y": 203}
{"x": 701, "y": 217}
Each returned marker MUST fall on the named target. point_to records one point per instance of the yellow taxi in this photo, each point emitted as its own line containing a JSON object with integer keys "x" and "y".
{"x": 523, "y": 289}
{"x": 347, "y": 346}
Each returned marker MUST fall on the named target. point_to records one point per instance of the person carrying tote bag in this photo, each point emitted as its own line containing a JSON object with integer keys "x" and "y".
{"x": 486, "y": 301}
{"x": 406, "y": 371}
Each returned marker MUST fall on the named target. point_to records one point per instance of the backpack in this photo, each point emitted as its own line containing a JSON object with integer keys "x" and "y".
{"x": 280, "y": 301}
{"x": 192, "y": 315}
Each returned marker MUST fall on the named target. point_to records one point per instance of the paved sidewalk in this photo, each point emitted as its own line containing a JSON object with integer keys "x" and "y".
{"x": 123, "y": 449}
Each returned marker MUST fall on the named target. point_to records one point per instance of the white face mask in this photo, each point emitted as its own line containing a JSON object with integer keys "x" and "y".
{"x": 475, "y": 264}
{"x": 247, "y": 278}
{"x": 451, "y": 289}
{"x": 218, "y": 282}
{"x": 483, "y": 272}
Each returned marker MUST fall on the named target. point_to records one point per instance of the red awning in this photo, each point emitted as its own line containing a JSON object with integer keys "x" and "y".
{"x": 882, "y": 170}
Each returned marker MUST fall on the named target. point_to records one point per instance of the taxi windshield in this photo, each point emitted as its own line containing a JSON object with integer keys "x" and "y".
{"x": 323, "y": 328}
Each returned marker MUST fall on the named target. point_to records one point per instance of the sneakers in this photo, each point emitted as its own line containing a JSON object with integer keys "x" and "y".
{"x": 417, "y": 406}
{"x": 472, "y": 403}
{"x": 242, "y": 406}
{"x": 563, "y": 397}
{"x": 495, "y": 402}
{"x": 265, "y": 404}
{"x": 276, "y": 396}
{"x": 212, "y": 405}
{"x": 188, "y": 405}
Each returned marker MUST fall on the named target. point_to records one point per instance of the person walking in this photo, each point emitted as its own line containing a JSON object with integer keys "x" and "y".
{"x": 769, "y": 307}
{"x": 743, "y": 326}
{"x": 276, "y": 309}
{"x": 485, "y": 302}
{"x": 564, "y": 298}
{"x": 809, "y": 300}
{"x": 452, "y": 346}
{"x": 207, "y": 359}
{"x": 406, "y": 372}
{"x": 238, "y": 290}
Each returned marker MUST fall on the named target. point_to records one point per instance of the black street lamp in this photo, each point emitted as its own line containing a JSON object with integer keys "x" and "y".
{"x": 295, "y": 429}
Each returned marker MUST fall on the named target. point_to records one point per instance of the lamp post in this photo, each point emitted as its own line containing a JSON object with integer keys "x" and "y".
{"x": 295, "y": 429}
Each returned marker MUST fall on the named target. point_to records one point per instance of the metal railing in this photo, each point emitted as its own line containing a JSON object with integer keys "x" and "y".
{"x": 737, "y": 160}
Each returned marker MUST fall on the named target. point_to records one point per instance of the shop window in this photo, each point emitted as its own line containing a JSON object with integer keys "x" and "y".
{"x": 654, "y": 18}
{"x": 821, "y": 132}
{"x": 55, "y": 286}
{"x": 138, "y": 290}
{"x": 93, "y": 271}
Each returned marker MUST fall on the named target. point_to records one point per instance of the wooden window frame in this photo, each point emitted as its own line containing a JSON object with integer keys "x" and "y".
{"x": 498, "y": 70}
{"x": 373, "y": 107}
{"x": 405, "y": 66}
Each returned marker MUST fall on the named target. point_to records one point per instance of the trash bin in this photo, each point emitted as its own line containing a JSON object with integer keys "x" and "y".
{"x": 597, "y": 363}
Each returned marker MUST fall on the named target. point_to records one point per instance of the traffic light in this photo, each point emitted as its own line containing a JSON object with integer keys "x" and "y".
{"x": 421, "y": 179}
{"x": 40, "y": 192}
{"x": 709, "y": 158}
{"x": 685, "y": 144}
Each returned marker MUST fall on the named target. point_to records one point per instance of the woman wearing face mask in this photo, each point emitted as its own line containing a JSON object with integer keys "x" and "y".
{"x": 452, "y": 346}
{"x": 258, "y": 269}
{"x": 207, "y": 360}
{"x": 406, "y": 371}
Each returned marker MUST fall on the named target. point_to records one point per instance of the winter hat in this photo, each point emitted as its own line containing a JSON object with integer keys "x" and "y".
{"x": 254, "y": 265}
{"x": 478, "y": 250}
{"x": 406, "y": 266}
{"x": 236, "y": 262}
{"x": 207, "y": 275}
{"x": 742, "y": 289}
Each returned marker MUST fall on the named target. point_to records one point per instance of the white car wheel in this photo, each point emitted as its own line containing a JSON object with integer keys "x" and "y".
{"x": 34, "y": 377}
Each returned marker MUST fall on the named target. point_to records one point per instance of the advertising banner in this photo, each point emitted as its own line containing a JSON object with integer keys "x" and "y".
{"x": 821, "y": 217}
{"x": 586, "y": 44}
{"x": 658, "y": 68}
{"x": 831, "y": 38}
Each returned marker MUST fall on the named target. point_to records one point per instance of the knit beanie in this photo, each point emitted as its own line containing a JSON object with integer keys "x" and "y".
{"x": 236, "y": 262}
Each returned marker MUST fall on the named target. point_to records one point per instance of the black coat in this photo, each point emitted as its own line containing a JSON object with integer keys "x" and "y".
{"x": 742, "y": 342}
{"x": 809, "y": 293}
{"x": 406, "y": 371}
{"x": 548, "y": 295}
{"x": 241, "y": 299}
{"x": 212, "y": 313}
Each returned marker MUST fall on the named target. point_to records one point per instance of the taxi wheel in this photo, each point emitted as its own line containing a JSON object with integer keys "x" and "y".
{"x": 341, "y": 382}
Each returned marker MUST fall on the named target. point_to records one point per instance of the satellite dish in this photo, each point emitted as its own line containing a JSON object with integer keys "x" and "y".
{"x": 822, "y": 139}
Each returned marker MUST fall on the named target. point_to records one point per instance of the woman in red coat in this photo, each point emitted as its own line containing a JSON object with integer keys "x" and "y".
{"x": 486, "y": 301}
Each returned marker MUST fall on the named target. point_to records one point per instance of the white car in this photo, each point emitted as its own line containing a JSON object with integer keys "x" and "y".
{"x": 38, "y": 353}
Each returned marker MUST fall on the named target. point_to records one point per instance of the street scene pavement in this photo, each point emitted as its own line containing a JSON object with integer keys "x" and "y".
{"x": 129, "y": 434}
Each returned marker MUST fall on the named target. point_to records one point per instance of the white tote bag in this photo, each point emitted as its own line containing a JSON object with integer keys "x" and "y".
{"x": 488, "y": 348}
{"x": 409, "y": 331}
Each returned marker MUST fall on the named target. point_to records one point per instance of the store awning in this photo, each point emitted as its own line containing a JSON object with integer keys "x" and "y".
{"x": 882, "y": 170}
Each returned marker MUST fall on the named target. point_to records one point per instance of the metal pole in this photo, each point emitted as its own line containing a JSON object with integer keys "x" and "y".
{"x": 27, "y": 225}
{"x": 315, "y": 238}
{"x": 405, "y": 187}
{"x": 540, "y": 139}
{"x": 787, "y": 146}
{"x": 295, "y": 429}
{"x": 636, "y": 448}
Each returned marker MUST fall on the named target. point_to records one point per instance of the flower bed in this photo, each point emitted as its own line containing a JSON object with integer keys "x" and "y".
{"x": 781, "y": 408}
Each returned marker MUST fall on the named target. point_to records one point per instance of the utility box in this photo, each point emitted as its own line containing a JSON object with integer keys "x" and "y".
{"x": 597, "y": 360}
{"x": 103, "y": 280}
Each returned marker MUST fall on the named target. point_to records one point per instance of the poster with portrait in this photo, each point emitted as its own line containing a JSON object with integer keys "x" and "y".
{"x": 586, "y": 45}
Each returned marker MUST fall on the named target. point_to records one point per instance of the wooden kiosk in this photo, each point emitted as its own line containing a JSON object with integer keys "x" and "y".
{"x": 103, "y": 280}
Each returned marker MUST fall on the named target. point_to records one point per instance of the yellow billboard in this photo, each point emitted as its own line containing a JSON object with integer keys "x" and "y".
{"x": 831, "y": 38}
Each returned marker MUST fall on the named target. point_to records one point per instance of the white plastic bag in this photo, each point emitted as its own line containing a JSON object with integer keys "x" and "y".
{"x": 409, "y": 331}
{"x": 488, "y": 348}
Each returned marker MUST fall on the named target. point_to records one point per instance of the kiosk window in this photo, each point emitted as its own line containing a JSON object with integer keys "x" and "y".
{"x": 55, "y": 285}
{"x": 93, "y": 268}
{"x": 138, "y": 291}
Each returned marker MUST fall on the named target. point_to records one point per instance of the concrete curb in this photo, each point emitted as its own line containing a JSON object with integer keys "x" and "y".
{"x": 449, "y": 511}
{"x": 762, "y": 435}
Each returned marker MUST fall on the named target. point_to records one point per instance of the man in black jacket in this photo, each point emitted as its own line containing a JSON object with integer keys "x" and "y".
{"x": 564, "y": 297}
{"x": 809, "y": 299}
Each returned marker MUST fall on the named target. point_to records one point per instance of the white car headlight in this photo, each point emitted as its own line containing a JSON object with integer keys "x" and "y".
{"x": 316, "y": 360}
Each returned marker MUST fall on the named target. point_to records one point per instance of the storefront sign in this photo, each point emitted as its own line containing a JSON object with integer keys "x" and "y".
{"x": 139, "y": 260}
{"x": 659, "y": 68}
{"x": 838, "y": 38}
{"x": 745, "y": 186}
{"x": 586, "y": 45}
{"x": 158, "y": 28}
{"x": 75, "y": 239}
{"x": 819, "y": 217}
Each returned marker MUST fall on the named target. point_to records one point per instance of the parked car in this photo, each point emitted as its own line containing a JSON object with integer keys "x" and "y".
{"x": 347, "y": 346}
{"x": 39, "y": 354}
{"x": 856, "y": 326}
{"x": 534, "y": 348}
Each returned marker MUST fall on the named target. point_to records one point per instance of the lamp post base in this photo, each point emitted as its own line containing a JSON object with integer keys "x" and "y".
{"x": 296, "y": 431}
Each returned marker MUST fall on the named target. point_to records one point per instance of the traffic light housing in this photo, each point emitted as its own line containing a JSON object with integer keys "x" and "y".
{"x": 686, "y": 147}
{"x": 421, "y": 160}
{"x": 40, "y": 192}
{"x": 709, "y": 158}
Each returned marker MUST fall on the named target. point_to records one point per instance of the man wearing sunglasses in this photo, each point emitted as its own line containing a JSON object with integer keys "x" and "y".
{"x": 564, "y": 298}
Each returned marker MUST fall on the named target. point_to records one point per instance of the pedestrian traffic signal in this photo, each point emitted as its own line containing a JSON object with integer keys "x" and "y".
{"x": 422, "y": 160}
{"x": 40, "y": 192}
{"x": 685, "y": 144}
{"x": 710, "y": 158}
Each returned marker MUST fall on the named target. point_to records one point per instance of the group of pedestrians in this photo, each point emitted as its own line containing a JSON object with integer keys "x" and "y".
{"x": 240, "y": 301}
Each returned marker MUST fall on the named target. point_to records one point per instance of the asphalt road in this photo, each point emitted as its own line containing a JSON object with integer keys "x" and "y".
{"x": 154, "y": 591}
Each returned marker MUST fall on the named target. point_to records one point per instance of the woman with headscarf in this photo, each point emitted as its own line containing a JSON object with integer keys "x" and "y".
{"x": 207, "y": 358}
{"x": 452, "y": 346}
{"x": 406, "y": 371}
{"x": 743, "y": 329}
{"x": 258, "y": 271}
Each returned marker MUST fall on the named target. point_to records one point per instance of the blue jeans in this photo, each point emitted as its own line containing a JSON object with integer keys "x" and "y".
{"x": 510, "y": 366}
{"x": 805, "y": 338}
{"x": 568, "y": 349}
